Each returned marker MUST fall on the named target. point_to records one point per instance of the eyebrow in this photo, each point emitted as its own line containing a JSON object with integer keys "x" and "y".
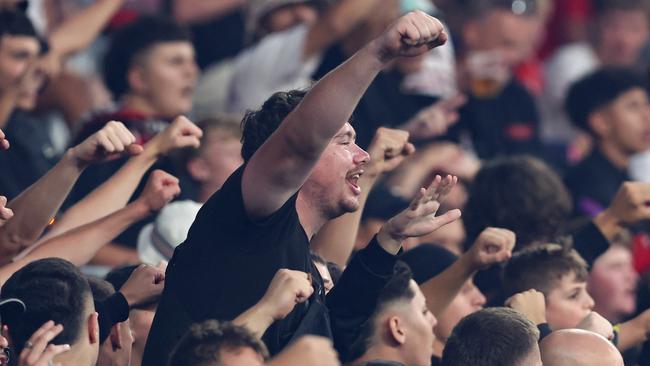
{"x": 348, "y": 133}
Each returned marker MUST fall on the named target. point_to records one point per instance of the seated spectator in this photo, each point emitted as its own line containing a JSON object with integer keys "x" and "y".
{"x": 611, "y": 104}
{"x": 493, "y": 337}
{"x": 53, "y": 289}
{"x": 576, "y": 347}
{"x": 400, "y": 329}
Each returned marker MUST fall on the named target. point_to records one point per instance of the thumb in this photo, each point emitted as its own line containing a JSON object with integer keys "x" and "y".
{"x": 135, "y": 149}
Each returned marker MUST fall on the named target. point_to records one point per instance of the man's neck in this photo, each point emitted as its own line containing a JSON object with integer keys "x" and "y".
{"x": 139, "y": 104}
{"x": 379, "y": 353}
{"x": 614, "y": 155}
{"x": 74, "y": 357}
{"x": 311, "y": 217}
{"x": 438, "y": 347}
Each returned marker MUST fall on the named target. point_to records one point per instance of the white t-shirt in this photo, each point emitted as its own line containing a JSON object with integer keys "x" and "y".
{"x": 274, "y": 64}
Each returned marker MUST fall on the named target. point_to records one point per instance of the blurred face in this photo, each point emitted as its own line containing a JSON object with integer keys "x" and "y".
{"x": 17, "y": 53}
{"x": 628, "y": 122}
{"x": 568, "y": 303}
{"x": 469, "y": 300}
{"x": 612, "y": 283}
{"x": 419, "y": 323}
{"x": 289, "y": 16}
{"x": 244, "y": 356}
{"x": 513, "y": 36}
{"x": 333, "y": 183}
{"x": 221, "y": 155}
{"x": 167, "y": 77}
{"x": 623, "y": 34}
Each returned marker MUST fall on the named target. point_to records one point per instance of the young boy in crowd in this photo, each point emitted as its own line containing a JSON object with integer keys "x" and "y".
{"x": 561, "y": 275}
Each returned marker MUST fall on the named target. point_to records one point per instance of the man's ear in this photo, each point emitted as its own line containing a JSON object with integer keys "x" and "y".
{"x": 116, "y": 336}
{"x": 396, "y": 330}
{"x": 93, "y": 328}
{"x": 599, "y": 123}
{"x": 135, "y": 78}
{"x": 198, "y": 169}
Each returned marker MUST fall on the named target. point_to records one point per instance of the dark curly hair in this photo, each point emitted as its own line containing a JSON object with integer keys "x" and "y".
{"x": 520, "y": 193}
{"x": 204, "y": 342}
{"x": 52, "y": 289}
{"x": 131, "y": 42}
{"x": 258, "y": 125}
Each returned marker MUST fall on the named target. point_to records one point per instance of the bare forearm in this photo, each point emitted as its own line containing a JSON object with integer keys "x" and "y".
{"x": 441, "y": 290}
{"x": 256, "y": 319}
{"x": 632, "y": 333}
{"x": 330, "y": 103}
{"x": 115, "y": 255}
{"x": 335, "y": 241}
{"x": 108, "y": 197}
{"x": 35, "y": 207}
{"x": 81, "y": 30}
{"x": 195, "y": 11}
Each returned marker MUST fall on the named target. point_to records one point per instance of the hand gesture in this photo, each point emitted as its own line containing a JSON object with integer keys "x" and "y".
{"x": 179, "y": 134}
{"x": 144, "y": 286}
{"x": 420, "y": 218}
{"x": 37, "y": 351}
{"x": 5, "y": 212}
{"x": 492, "y": 246}
{"x": 387, "y": 150}
{"x": 436, "y": 119}
{"x": 595, "y": 322}
{"x": 160, "y": 189}
{"x": 111, "y": 142}
{"x": 4, "y": 143}
{"x": 530, "y": 303}
{"x": 631, "y": 203}
{"x": 308, "y": 350}
{"x": 411, "y": 35}
{"x": 287, "y": 288}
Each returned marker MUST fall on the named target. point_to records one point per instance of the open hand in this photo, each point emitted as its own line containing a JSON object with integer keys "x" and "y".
{"x": 38, "y": 351}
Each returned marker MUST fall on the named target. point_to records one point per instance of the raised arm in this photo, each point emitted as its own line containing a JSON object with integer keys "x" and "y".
{"x": 80, "y": 245}
{"x": 34, "y": 208}
{"x": 335, "y": 240}
{"x": 493, "y": 245}
{"x": 116, "y": 192}
{"x": 287, "y": 288}
{"x": 80, "y": 30}
{"x": 283, "y": 163}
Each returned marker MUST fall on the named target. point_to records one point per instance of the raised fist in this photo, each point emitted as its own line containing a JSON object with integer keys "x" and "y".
{"x": 287, "y": 288}
{"x": 179, "y": 134}
{"x": 387, "y": 150}
{"x": 411, "y": 35}
{"x": 113, "y": 141}
{"x": 493, "y": 245}
{"x": 160, "y": 189}
{"x": 530, "y": 303}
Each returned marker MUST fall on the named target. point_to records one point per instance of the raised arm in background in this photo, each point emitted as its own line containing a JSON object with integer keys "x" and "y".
{"x": 283, "y": 163}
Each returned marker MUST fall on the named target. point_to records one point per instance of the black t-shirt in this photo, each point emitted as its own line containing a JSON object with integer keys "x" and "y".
{"x": 225, "y": 266}
{"x": 30, "y": 156}
{"x": 593, "y": 183}
{"x": 505, "y": 124}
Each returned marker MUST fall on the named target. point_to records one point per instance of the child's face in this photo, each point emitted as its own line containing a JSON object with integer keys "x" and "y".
{"x": 568, "y": 303}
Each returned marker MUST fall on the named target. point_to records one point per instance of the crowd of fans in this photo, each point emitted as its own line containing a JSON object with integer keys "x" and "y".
{"x": 325, "y": 182}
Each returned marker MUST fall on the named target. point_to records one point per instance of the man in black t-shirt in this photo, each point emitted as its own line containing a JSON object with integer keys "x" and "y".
{"x": 301, "y": 169}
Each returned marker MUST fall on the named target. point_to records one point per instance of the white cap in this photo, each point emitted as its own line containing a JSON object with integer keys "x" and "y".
{"x": 157, "y": 240}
